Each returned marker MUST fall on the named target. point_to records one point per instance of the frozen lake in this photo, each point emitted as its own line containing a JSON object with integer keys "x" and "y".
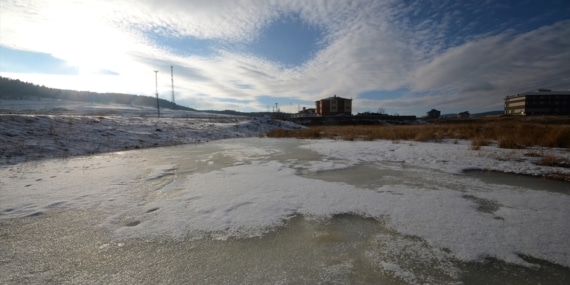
{"x": 259, "y": 211}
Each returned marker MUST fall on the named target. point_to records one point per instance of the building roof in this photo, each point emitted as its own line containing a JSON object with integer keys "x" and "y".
{"x": 335, "y": 98}
{"x": 308, "y": 110}
{"x": 540, "y": 92}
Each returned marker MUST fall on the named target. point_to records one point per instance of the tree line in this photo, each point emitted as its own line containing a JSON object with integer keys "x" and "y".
{"x": 14, "y": 89}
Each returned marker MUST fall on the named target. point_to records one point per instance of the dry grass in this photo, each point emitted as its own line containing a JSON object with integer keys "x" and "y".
{"x": 507, "y": 132}
{"x": 538, "y": 134}
{"x": 551, "y": 160}
{"x": 478, "y": 142}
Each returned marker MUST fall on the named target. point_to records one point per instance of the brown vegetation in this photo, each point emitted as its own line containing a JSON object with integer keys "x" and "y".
{"x": 551, "y": 160}
{"x": 507, "y": 132}
{"x": 535, "y": 133}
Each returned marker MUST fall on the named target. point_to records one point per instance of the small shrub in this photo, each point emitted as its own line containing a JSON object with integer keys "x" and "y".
{"x": 309, "y": 133}
{"x": 478, "y": 142}
{"x": 277, "y": 133}
{"x": 551, "y": 160}
{"x": 425, "y": 135}
{"x": 557, "y": 137}
{"x": 508, "y": 142}
{"x": 532, "y": 154}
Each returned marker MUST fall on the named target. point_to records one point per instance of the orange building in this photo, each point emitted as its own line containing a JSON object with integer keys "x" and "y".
{"x": 334, "y": 106}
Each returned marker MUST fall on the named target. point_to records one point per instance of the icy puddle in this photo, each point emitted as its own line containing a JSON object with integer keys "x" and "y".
{"x": 522, "y": 181}
{"x": 259, "y": 211}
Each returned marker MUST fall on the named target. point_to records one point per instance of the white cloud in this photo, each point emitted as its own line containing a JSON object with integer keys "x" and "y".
{"x": 368, "y": 45}
{"x": 503, "y": 60}
{"x": 500, "y": 65}
{"x": 230, "y": 20}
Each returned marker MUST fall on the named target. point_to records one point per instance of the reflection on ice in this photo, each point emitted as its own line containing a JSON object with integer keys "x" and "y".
{"x": 518, "y": 180}
{"x": 65, "y": 247}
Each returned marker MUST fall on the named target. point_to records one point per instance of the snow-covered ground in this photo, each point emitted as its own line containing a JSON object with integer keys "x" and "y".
{"x": 434, "y": 218}
{"x": 31, "y": 130}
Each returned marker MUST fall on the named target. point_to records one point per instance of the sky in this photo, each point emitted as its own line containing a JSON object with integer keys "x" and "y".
{"x": 401, "y": 57}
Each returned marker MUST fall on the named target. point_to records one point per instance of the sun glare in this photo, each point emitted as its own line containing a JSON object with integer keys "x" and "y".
{"x": 87, "y": 39}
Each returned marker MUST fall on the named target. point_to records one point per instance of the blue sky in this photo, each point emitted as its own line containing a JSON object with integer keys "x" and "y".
{"x": 403, "y": 57}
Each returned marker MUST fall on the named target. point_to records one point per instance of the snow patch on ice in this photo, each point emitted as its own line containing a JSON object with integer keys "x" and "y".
{"x": 446, "y": 157}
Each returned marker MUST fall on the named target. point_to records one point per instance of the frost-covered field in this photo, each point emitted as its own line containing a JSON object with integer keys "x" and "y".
{"x": 31, "y": 130}
{"x": 258, "y": 210}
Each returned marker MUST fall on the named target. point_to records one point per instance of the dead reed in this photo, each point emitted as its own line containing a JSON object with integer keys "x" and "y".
{"x": 507, "y": 132}
{"x": 551, "y": 160}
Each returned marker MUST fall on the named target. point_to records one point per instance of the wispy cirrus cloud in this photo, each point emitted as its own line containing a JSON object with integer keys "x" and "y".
{"x": 446, "y": 54}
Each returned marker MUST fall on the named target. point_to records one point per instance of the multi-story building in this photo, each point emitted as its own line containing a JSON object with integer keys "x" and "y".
{"x": 305, "y": 113}
{"x": 538, "y": 102}
{"x": 433, "y": 114}
{"x": 463, "y": 115}
{"x": 334, "y": 106}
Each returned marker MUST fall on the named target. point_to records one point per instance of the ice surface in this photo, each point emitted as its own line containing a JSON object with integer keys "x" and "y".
{"x": 221, "y": 193}
{"x": 249, "y": 187}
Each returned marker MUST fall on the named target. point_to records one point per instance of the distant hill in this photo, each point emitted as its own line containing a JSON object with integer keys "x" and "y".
{"x": 490, "y": 113}
{"x": 238, "y": 113}
{"x": 14, "y": 89}
{"x": 476, "y": 115}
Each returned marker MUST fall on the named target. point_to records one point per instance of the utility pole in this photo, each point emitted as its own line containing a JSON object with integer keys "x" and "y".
{"x": 172, "y": 81}
{"x": 156, "y": 84}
